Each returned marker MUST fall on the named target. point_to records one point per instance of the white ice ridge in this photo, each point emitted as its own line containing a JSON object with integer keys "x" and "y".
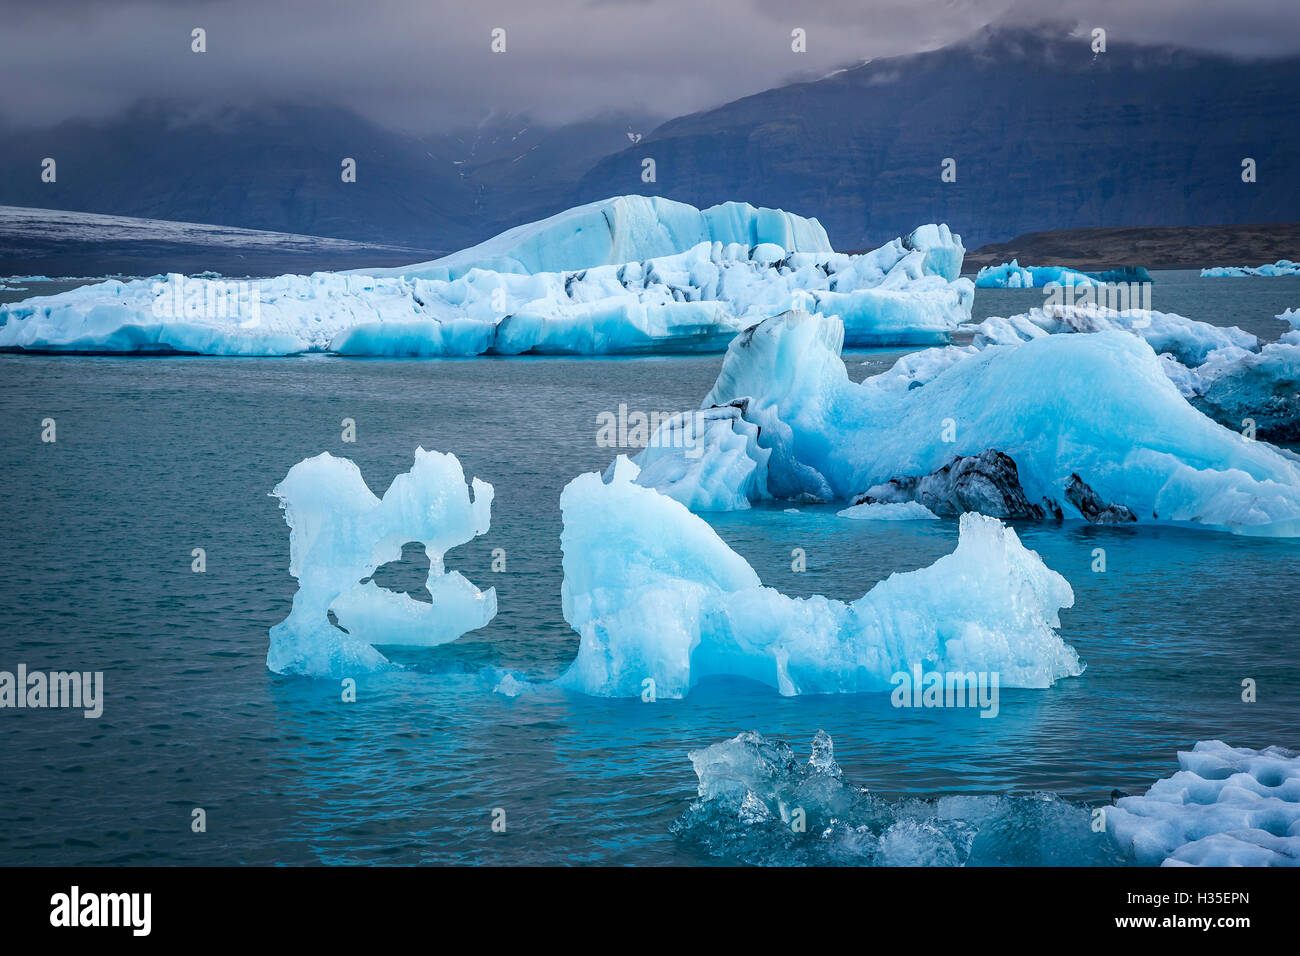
{"x": 1225, "y": 372}
{"x": 656, "y": 595}
{"x": 1283, "y": 267}
{"x": 659, "y": 298}
{"x": 617, "y": 230}
{"x": 339, "y": 533}
{"x": 1099, "y": 406}
{"x": 1226, "y": 806}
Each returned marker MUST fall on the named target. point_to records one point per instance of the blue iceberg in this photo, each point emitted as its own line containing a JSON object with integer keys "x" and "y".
{"x": 340, "y": 532}
{"x": 1012, "y": 275}
{"x": 660, "y": 602}
{"x": 628, "y": 275}
{"x": 1096, "y": 410}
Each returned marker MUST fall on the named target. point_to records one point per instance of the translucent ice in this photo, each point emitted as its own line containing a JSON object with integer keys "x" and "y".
{"x": 759, "y": 803}
{"x": 1226, "y": 806}
{"x": 340, "y": 532}
{"x": 657, "y": 596}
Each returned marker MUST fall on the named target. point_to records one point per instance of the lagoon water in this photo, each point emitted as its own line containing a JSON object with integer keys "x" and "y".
{"x": 156, "y": 457}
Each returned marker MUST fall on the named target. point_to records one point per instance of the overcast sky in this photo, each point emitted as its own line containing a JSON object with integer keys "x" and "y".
{"x": 425, "y": 64}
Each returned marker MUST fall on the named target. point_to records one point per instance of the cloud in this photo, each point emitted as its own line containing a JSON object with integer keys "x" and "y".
{"x": 423, "y": 65}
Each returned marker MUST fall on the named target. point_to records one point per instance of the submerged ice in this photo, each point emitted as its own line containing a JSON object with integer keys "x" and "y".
{"x": 758, "y": 803}
{"x": 656, "y": 595}
{"x": 1099, "y": 408}
{"x": 340, "y": 532}
{"x": 630, "y": 274}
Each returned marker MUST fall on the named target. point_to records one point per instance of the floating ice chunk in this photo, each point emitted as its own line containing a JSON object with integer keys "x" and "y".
{"x": 510, "y": 686}
{"x": 339, "y": 533}
{"x": 1099, "y": 406}
{"x": 758, "y": 803}
{"x": 1012, "y": 275}
{"x": 656, "y": 595}
{"x": 1226, "y": 806}
{"x": 890, "y": 511}
{"x": 1283, "y": 267}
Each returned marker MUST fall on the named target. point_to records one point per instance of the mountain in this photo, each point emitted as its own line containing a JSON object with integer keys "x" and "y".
{"x": 1045, "y": 133}
{"x": 278, "y": 168}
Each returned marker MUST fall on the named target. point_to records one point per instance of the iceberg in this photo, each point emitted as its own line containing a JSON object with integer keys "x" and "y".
{"x": 1098, "y": 408}
{"x": 340, "y": 532}
{"x": 661, "y": 602}
{"x": 1012, "y": 275}
{"x": 1283, "y": 267}
{"x": 1226, "y": 806}
{"x": 624, "y": 276}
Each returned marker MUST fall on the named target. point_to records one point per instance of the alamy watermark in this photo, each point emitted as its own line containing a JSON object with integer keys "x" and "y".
{"x": 182, "y": 297}
{"x": 636, "y": 429}
{"x": 23, "y": 689}
{"x": 76, "y": 909}
{"x": 917, "y": 688}
{"x": 1117, "y": 296}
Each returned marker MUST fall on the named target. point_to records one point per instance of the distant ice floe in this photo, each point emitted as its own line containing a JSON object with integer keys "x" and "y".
{"x": 759, "y": 804}
{"x": 1283, "y": 267}
{"x": 656, "y": 596}
{"x": 1091, "y": 422}
{"x": 1012, "y": 275}
{"x": 624, "y": 275}
{"x": 1226, "y": 806}
{"x": 340, "y": 532}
